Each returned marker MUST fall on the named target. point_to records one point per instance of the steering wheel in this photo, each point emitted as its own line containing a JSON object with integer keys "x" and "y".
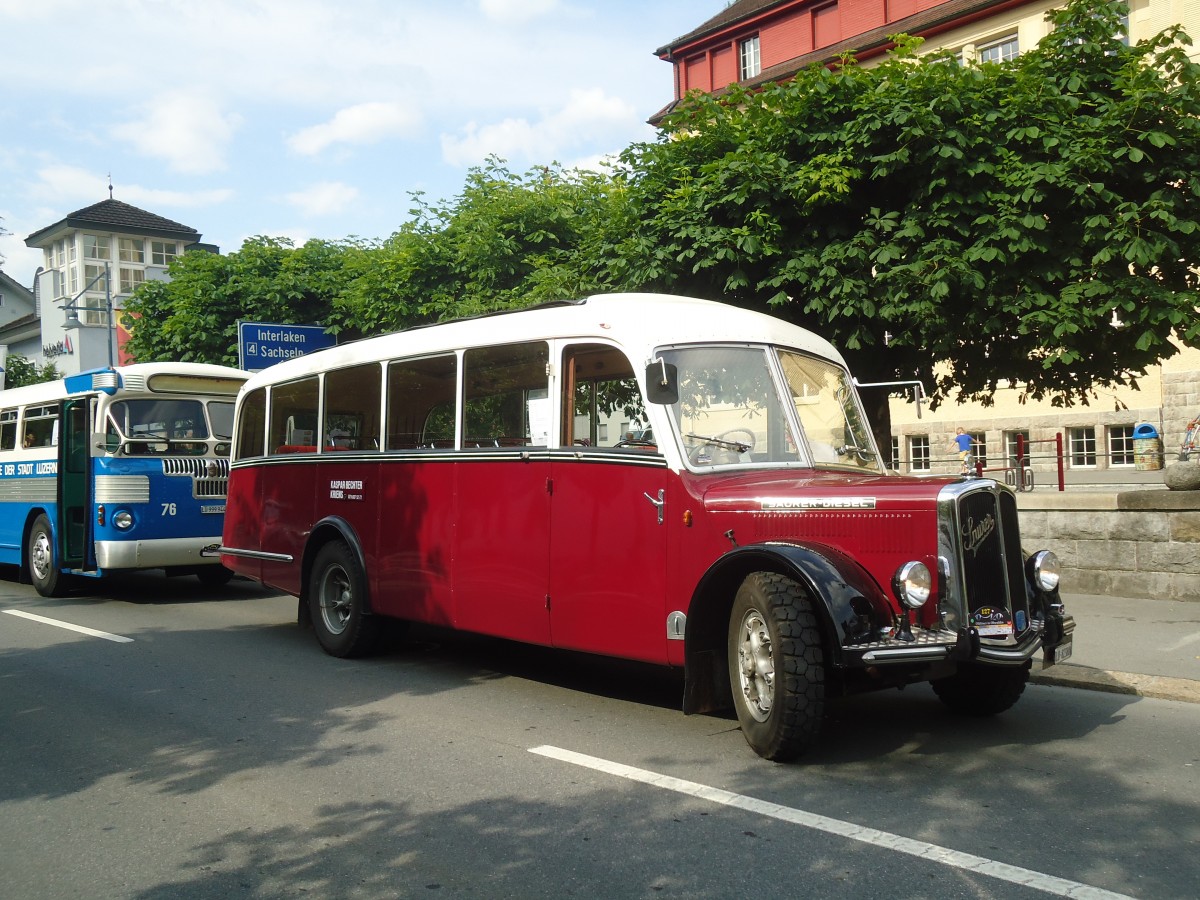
{"x": 636, "y": 442}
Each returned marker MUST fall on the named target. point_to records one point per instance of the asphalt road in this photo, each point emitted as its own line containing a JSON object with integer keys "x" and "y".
{"x": 201, "y": 745}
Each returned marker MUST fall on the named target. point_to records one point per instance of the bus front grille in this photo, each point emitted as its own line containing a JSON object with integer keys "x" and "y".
{"x": 210, "y": 477}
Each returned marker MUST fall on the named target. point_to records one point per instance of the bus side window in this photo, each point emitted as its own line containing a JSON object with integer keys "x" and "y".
{"x": 252, "y": 425}
{"x": 41, "y": 426}
{"x": 352, "y": 408}
{"x": 507, "y": 399}
{"x": 602, "y": 404}
{"x": 294, "y": 417}
{"x": 421, "y": 403}
{"x": 8, "y": 429}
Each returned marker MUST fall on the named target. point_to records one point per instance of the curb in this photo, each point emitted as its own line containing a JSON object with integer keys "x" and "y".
{"x": 1156, "y": 686}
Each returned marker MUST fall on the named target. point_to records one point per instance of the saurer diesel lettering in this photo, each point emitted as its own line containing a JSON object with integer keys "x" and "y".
{"x": 656, "y": 478}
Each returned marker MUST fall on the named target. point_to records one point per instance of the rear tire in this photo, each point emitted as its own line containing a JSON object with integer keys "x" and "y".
{"x": 776, "y": 666}
{"x": 982, "y": 691}
{"x": 41, "y": 559}
{"x": 337, "y": 603}
{"x": 214, "y": 576}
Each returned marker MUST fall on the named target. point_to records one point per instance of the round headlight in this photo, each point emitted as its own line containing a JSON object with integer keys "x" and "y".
{"x": 123, "y": 520}
{"x": 912, "y": 584}
{"x": 1044, "y": 570}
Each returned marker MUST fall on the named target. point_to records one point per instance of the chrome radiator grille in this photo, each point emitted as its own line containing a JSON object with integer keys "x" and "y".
{"x": 980, "y": 546}
{"x": 210, "y": 477}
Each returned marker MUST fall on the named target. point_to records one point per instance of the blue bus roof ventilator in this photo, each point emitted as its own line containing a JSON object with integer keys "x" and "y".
{"x": 105, "y": 380}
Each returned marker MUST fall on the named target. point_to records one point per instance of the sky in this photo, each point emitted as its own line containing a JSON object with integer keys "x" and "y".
{"x": 310, "y": 118}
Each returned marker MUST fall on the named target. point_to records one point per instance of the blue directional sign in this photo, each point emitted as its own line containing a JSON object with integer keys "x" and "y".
{"x": 262, "y": 344}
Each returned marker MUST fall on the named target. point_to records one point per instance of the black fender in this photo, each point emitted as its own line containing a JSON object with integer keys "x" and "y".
{"x": 328, "y": 529}
{"x": 849, "y": 604}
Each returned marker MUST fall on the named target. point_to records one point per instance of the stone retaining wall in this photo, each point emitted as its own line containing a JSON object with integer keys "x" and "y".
{"x": 1134, "y": 544}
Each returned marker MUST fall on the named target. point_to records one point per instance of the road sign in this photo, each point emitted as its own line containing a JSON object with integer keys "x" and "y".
{"x": 262, "y": 344}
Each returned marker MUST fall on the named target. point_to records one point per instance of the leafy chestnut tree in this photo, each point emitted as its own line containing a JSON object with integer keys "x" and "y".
{"x": 193, "y": 317}
{"x": 1036, "y": 220}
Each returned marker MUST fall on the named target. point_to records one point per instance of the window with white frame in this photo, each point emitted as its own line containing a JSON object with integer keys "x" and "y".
{"x": 1010, "y": 446}
{"x": 132, "y": 250}
{"x": 918, "y": 452}
{"x": 895, "y": 463}
{"x": 979, "y": 448}
{"x": 96, "y": 247}
{"x": 749, "y": 63}
{"x": 163, "y": 252}
{"x": 1001, "y": 50}
{"x": 1082, "y": 447}
{"x": 131, "y": 278}
{"x": 1120, "y": 445}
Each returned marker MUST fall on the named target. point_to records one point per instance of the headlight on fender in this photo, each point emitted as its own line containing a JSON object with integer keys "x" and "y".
{"x": 912, "y": 584}
{"x": 1043, "y": 570}
{"x": 123, "y": 520}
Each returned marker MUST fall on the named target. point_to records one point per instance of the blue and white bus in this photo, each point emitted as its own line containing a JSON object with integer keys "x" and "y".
{"x": 116, "y": 469}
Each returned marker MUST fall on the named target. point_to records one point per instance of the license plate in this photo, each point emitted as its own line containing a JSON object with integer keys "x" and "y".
{"x": 1059, "y": 654}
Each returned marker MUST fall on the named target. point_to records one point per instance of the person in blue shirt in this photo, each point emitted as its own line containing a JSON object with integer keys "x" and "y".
{"x": 962, "y": 441}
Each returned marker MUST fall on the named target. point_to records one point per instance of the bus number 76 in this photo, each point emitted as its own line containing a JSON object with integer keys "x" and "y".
{"x": 169, "y": 509}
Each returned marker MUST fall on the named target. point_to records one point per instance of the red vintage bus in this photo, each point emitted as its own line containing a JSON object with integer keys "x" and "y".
{"x": 642, "y": 476}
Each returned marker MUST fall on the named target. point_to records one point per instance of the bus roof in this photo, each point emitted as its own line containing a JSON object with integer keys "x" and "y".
{"x": 638, "y": 323}
{"x": 50, "y": 391}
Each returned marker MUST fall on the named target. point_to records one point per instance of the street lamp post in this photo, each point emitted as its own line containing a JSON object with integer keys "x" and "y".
{"x": 72, "y": 307}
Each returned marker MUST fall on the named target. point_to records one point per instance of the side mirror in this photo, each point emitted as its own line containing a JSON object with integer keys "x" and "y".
{"x": 662, "y": 382}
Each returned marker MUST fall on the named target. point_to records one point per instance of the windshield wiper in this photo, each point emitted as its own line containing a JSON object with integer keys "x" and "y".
{"x": 720, "y": 442}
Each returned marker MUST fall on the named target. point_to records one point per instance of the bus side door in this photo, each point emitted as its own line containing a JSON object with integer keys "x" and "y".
{"x": 608, "y": 554}
{"x": 75, "y": 484}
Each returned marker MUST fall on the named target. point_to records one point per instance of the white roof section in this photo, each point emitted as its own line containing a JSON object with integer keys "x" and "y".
{"x": 638, "y": 323}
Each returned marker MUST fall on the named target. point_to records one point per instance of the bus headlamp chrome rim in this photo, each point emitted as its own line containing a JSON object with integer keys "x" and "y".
{"x": 1044, "y": 570}
{"x": 122, "y": 519}
{"x": 912, "y": 584}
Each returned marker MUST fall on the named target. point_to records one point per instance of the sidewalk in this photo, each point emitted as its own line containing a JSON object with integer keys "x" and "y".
{"x": 1150, "y": 648}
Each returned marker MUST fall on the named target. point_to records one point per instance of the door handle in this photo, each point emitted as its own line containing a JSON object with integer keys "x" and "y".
{"x": 658, "y": 504}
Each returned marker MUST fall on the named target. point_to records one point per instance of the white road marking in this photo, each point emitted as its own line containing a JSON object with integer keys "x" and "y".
{"x": 67, "y": 625}
{"x": 1184, "y": 641}
{"x": 1049, "y": 884}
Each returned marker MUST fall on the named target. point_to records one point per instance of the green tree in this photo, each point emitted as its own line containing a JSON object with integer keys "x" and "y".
{"x": 506, "y": 241}
{"x": 1035, "y": 220}
{"x": 193, "y": 317}
{"x": 19, "y": 372}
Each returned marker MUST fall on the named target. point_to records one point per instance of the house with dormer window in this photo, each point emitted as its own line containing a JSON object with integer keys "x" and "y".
{"x": 93, "y": 259}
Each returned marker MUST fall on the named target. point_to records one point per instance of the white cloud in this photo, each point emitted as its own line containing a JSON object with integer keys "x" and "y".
{"x": 188, "y": 130}
{"x": 365, "y": 123}
{"x": 323, "y": 199}
{"x": 588, "y": 114}
{"x": 512, "y": 11}
{"x": 67, "y": 188}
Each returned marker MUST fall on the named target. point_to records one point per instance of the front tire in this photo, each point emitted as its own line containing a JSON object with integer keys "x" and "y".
{"x": 41, "y": 560}
{"x": 337, "y": 603}
{"x": 982, "y": 691}
{"x": 776, "y": 666}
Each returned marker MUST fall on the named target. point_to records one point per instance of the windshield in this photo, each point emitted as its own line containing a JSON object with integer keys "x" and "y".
{"x": 220, "y": 413}
{"x": 730, "y": 411}
{"x": 166, "y": 426}
{"x": 828, "y": 410}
